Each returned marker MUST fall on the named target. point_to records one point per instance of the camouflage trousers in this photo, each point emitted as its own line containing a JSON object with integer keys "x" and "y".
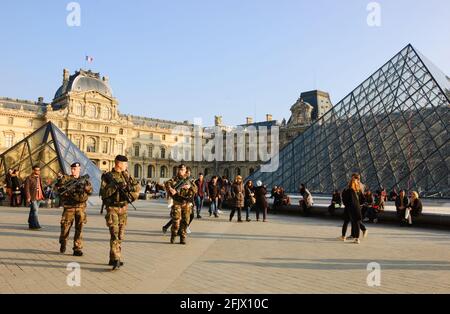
{"x": 180, "y": 219}
{"x": 116, "y": 220}
{"x": 77, "y": 214}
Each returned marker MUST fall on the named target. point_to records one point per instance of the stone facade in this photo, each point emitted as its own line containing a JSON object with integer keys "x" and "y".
{"x": 85, "y": 109}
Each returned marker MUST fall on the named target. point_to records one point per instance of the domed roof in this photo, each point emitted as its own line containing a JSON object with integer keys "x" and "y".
{"x": 84, "y": 81}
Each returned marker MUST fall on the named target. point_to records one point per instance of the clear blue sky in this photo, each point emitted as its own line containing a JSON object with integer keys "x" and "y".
{"x": 182, "y": 59}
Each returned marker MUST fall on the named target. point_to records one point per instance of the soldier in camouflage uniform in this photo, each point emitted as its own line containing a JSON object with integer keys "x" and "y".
{"x": 74, "y": 203}
{"x": 182, "y": 191}
{"x": 117, "y": 190}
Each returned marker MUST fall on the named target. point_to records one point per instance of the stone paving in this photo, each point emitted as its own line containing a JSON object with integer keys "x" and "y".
{"x": 284, "y": 255}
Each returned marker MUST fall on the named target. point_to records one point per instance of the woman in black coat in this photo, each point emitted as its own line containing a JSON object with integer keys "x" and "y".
{"x": 261, "y": 201}
{"x": 16, "y": 192}
{"x": 352, "y": 198}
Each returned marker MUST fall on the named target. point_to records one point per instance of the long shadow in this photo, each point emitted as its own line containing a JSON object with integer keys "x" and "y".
{"x": 343, "y": 265}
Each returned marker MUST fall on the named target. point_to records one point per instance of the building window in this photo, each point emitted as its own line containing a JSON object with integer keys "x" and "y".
{"x": 150, "y": 171}
{"x": 174, "y": 171}
{"x": 60, "y": 124}
{"x": 137, "y": 171}
{"x": 105, "y": 147}
{"x": 90, "y": 147}
{"x": 251, "y": 171}
{"x": 9, "y": 140}
{"x": 163, "y": 172}
{"x": 30, "y": 123}
{"x": 136, "y": 150}
{"x": 151, "y": 136}
{"x": 77, "y": 142}
{"x": 163, "y": 153}
{"x": 238, "y": 171}
{"x": 150, "y": 151}
{"x": 163, "y": 137}
{"x": 120, "y": 131}
{"x": 106, "y": 129}
{"x": 10, "y": 120}
{"x": 120, "y": 148}
{"x": 106, "y": 113}
{"x": 79, "y": 126}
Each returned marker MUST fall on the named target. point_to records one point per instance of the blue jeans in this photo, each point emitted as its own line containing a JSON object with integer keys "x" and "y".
{"x": 248, "y": 208}
{"x": 199, "y": 204}
{"x": 213, "y": 204}
{"x": 33, "y": 219}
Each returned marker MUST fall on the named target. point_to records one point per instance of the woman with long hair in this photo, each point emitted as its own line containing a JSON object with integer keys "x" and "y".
{"x": 414, "y": 208}
{"x": 250, "y": 200}
{"x": 237, "y": 194}
{"x": 352, "y": 198}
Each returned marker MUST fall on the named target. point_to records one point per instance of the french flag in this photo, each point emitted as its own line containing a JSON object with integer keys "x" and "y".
{"x": 89, "y": 59}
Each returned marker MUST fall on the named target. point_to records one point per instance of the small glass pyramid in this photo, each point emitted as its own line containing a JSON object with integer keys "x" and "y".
{"x": 50, "y": 149}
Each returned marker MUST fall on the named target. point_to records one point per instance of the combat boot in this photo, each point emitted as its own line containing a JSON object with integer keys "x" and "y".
{"x": 183, "y": 241}
{"x": 111, "y": 263}
{"x": 77, "y": 253}
{"x": 116, "y": 265}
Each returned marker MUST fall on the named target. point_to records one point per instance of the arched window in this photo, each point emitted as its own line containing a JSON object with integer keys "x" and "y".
{"x": 226, "y": 173}
{"x": 106, "y": 129}
{"x": 120, "y": 131}
{"x": 30, "y": 123}
{"x": 137, "y": 171}
{"x": 251, "y": 171}
{"x": 174, "y": 171}
{"x": 91, "y": 144}
{"x": 10, "y": 120}
{"x": 163, "y": 172}
{"x": 150, "y": 171}
{"x": 237, "y": 172}
{"x": 163, "y": 153}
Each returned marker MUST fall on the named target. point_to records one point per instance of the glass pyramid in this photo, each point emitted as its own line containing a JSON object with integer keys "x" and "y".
{"x": 393, "y": 129}
{"x": 49, "y": 148}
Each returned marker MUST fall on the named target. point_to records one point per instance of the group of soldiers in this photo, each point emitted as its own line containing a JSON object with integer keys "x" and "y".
{"x": 118, "y": 190}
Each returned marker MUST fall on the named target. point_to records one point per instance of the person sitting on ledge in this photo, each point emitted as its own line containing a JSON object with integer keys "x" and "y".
{"x": 306, "y": 203}
{"x": 414, "y": 208}
{"x": 400, "y": 204}
{"x": 336, "y": 202}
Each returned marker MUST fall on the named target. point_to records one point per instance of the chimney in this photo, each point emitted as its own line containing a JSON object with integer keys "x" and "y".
{"x": 66, "y": 75}
{"x": 249, "y": 120}
{"x": 40, "y": 100}
{"x": 268, "y": 117}
{"x": 217, "y": 120}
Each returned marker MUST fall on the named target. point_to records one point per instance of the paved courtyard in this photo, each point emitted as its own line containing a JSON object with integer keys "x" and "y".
{"x": 285, "y": 255}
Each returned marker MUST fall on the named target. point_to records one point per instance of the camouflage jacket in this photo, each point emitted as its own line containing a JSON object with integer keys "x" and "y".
{"x": 182, "y": 195}
{"x": 118, "y": 189}
{"x": 78, "y": 194}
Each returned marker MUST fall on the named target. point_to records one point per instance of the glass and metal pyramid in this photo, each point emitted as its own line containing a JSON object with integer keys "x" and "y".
{"x": 393, "y": 129}
{"x": 50, "y": 149}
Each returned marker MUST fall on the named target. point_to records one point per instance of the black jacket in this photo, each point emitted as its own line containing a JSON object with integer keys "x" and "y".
{"x": 260, "y": 196}
{"x": 352, "y": 202}
{"x": 405, "y": 202}
{"x": 416, "y": 207}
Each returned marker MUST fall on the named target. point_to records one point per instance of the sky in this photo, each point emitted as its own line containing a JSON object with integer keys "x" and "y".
{"x": 187, "y": 59}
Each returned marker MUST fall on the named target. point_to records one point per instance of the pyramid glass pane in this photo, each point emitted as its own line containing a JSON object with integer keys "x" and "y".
{"x": 50, "y": 149}
{"x": 393, "y": 129}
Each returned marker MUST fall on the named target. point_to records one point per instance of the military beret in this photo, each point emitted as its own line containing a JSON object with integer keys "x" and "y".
{"x": 75, "y": 164}
{"x": 121, "y": 158}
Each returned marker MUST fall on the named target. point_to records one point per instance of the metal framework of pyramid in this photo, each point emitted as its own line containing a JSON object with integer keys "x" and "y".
{"x": 393, "y": 129}
{"x": 50, "y": 149}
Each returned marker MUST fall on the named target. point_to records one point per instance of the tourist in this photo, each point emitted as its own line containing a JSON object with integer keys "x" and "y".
{"x": 307, "y": 202}
{"x": 249, "y": 201}
{"x": 237, "y": 194}
{"x": 213, "y": 196}
{"x": 336, "y": 202}
{"x": 400, "y": 205}
{"x": 352, "y": 197}
{"x": 35, "y": 195}
{"x": 261, "y": 201}
{"x": 414, "y": 208}
{"x": 15, "y": 189}
{"x": 201, "y": 193}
